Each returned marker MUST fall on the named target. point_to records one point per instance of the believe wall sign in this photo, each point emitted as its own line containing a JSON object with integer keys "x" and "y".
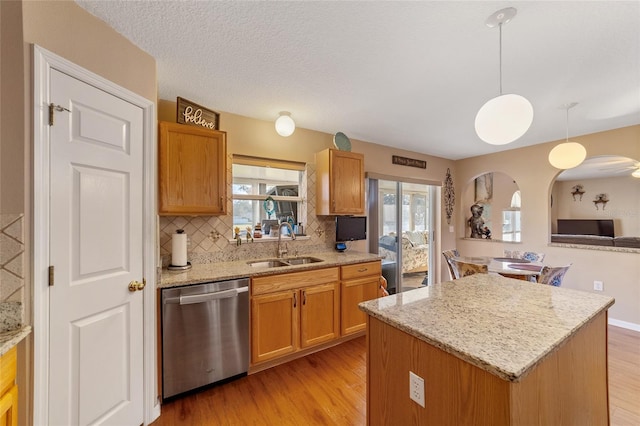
{"x": 196, "y": 115}
{"x": 411, "y": 162}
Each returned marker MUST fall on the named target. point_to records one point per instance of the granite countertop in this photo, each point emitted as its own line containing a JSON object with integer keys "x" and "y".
{"x": 205, "y": 272}
{"x": 12, "y": 331}
{"x": 8, "y": 339}
{"x": 501, "y": 325}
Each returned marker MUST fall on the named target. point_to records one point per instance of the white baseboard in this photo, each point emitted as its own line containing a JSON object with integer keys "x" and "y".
{"x": 624, "y": 324}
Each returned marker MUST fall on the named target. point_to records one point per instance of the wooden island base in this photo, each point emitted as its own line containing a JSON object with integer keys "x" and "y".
{"x": 567, "y": 387}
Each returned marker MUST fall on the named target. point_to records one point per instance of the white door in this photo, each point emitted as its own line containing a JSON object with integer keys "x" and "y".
{"x": 96, "y": 248}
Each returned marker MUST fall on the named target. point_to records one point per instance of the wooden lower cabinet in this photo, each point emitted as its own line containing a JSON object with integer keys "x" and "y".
{"x": 8, "y": 389}
{"x": 360, "y": 283}
{"x": 291, "y": 312}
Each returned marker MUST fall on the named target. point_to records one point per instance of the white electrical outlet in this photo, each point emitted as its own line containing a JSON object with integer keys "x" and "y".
{"x": 598, "y": 285}
{"x": 416, "y": 388}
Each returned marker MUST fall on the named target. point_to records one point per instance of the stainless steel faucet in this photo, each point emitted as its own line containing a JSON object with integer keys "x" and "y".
{"x": 282, "y": 252}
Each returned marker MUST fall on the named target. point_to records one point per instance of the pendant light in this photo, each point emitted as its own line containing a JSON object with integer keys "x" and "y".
{"x": 505, "y": 118}
{"x": 285, "y": 126}
{"x": 568, "y": 154}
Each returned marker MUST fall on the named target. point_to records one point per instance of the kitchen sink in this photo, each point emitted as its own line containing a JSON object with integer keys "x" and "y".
{"x": 302, "y": 260}
{"x": 274, "y": 263}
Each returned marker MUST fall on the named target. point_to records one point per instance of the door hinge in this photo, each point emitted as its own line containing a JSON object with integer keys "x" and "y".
{"x": 52, "y": 109}
{"x": 51, "y": 275}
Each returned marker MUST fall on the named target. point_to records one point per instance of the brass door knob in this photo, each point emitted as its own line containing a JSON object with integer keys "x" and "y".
{"x": 136, "y": 285}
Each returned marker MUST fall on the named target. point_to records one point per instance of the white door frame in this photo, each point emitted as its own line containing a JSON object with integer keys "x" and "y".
{"x": 43, "y": 62}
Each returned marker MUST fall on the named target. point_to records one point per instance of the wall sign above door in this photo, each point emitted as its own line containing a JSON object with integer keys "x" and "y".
{"x": 404, "y": 161}
{"x": 196, "y": 115}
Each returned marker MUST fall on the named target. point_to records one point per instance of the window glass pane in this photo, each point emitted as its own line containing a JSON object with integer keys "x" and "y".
{"x": 511, "y": 225}
{"x": 243, "y": 213}
{"x": 257, "y": 182}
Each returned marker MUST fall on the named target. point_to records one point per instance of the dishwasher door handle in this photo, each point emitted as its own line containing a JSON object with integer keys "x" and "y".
{"x": 206, "y": 297}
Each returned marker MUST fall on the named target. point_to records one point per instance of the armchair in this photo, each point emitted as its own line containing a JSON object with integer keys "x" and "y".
{"x": 415, "y": 251}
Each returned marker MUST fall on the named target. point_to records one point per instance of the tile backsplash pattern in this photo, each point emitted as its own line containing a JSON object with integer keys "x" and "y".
{"x": 11, "y": 270}
{"x": 208, "y": 236}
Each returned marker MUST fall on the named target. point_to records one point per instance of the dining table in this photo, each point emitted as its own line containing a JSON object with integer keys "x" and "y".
{"x": 521, "y": 269}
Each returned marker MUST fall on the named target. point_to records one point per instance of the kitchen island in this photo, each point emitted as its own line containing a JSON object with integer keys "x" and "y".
{"x": 492, "y": 351}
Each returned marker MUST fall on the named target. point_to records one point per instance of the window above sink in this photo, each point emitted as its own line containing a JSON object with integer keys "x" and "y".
{"x": 266, "y": 190}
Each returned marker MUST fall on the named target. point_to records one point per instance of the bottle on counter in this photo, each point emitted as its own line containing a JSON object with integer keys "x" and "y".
{"x": 257, "y": 231}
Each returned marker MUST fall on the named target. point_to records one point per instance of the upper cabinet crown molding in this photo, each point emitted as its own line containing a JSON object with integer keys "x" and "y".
{"x": 340, "y": 183}
{"x": 191, "y": 170}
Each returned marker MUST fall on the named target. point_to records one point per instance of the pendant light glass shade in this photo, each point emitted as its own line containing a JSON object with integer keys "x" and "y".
{"x": 285, "y": 126}
{"x": 567, "y": 155}
{"x": 504, "y": 119}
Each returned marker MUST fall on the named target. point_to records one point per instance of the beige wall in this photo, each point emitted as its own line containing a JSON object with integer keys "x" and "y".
{"x": 535, "y": 176}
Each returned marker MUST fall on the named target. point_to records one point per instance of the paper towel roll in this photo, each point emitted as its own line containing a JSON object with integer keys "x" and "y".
{"x": 179, "y": 248}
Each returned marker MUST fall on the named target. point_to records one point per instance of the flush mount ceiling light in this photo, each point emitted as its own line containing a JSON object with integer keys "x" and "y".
{"x": 505, "y": 118}
{"x": 567, "y": 155}
{"x": 285, "y": 125}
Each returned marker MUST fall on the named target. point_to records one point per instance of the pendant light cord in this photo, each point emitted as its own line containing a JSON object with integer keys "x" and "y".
{"x": 568, "y": 123}
{"x": 500, "y": 28}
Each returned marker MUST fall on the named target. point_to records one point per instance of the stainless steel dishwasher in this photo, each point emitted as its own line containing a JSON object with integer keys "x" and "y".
{"x": 205, "y": 334}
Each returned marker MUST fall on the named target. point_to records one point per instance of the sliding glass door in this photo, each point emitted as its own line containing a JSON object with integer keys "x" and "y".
{"x": 401, "y": 220}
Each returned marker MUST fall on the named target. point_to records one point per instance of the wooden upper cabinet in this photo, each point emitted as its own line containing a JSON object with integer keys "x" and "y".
{"x": 192, "y": 170}
{"x": 340, "y": 183}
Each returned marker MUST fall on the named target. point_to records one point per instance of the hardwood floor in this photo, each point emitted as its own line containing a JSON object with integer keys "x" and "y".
{"x": 624, "y": 376}
{"x": 328, "y": 388}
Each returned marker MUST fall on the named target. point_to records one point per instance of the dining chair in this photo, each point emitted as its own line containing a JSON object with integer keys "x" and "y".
{"x": 448, "y": 254}
{"x": 464, "y": 269}
{"x": 553, "y": 275}
{"x": 528, "y": 255}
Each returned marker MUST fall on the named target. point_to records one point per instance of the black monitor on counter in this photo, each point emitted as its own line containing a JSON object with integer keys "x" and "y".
{"x": 351, "y": 228}
{"x": 601, "y": 227}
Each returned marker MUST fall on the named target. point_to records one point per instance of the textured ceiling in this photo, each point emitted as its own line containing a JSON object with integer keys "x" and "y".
{"x": 410, "y": 75}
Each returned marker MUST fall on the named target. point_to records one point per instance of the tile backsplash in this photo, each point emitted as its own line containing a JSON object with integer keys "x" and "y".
{"x": 208, "y": 236}
{"x": 11, "y": 271}
{"x": 11, "y": 257}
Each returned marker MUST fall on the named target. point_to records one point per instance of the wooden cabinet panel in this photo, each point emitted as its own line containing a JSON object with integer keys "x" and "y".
{"x": 360, "y": 270}
{"x": 294, "y": 311}
{"x": 293, "y": 280}
{"x": 319, "y": 316}
{"x": 8, "y": 389}
{"x": 360, "y": 283}
{"x": 340, "y": 183}
{"x": 274, "y": 325}
{"x": 353, "y": 292}
{"x": 192, "y": 170}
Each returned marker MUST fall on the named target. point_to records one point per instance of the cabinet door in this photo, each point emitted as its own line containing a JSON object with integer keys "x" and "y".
{"x": 339, "y": 183}
{"x": 319, "y": 315}
{"x": 347, "y": 182}
{"x": 353, "y": 292}
{"x": 9, "y": 407}
{"x": 274, "y": 325}
{"x": 192, "y": 170}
